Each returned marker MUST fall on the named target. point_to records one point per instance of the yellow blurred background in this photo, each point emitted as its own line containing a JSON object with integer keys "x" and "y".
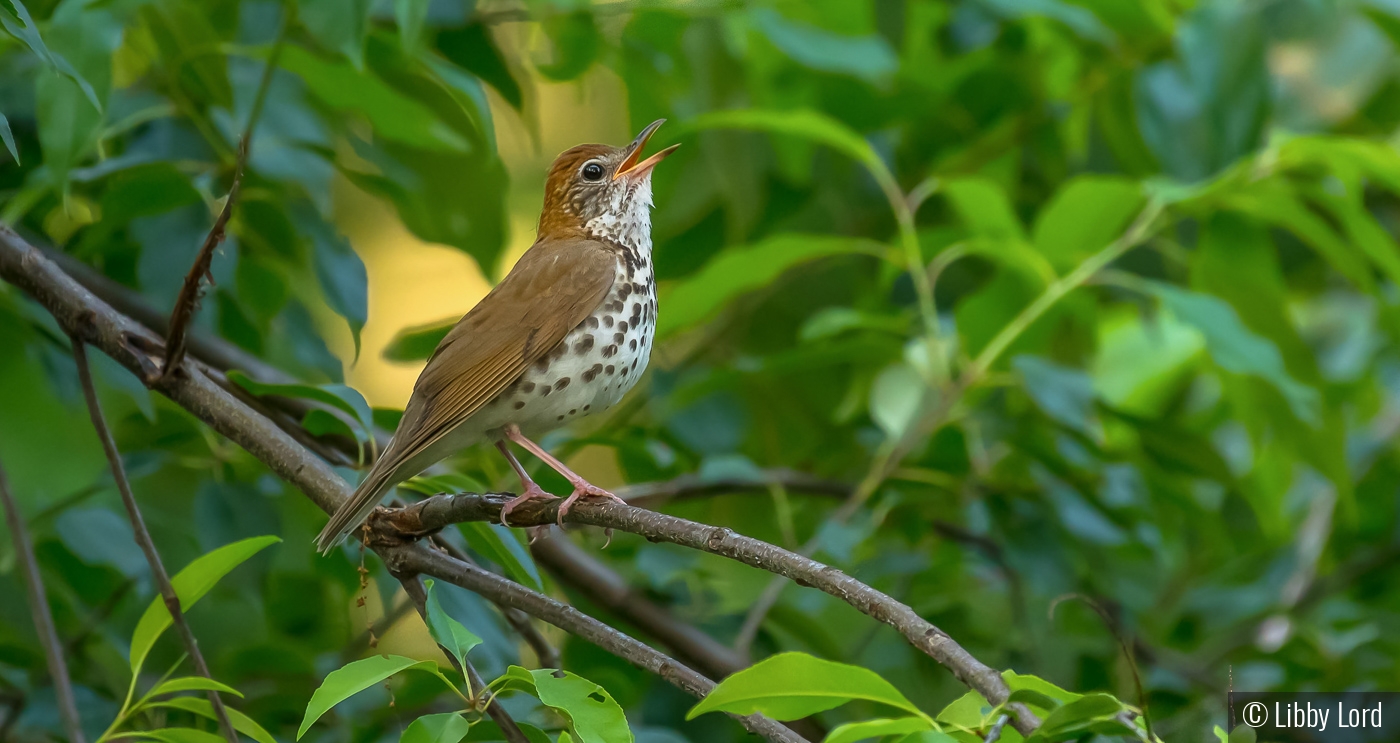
{"x": 412, "y": 282}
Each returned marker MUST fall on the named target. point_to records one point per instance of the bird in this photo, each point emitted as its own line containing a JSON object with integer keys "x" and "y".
{"x": 564, "y": 335}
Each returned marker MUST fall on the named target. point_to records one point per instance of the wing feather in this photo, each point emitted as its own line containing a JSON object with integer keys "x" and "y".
{"x": 554, "y": 286}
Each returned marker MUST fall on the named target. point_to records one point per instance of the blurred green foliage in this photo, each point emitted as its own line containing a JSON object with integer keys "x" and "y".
{"x": 1197, "y": 437}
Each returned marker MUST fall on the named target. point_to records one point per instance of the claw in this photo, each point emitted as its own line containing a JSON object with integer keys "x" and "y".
{"x": 582, "y": 489}
{"x": 532, "y": 492}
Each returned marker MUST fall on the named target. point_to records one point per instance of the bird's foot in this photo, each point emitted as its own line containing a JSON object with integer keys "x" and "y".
{"x": 582, "y": 489}
{"x": 531, "y": 492}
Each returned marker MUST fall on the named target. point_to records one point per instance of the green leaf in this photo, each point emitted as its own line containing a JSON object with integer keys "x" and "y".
{"x": 593, "y": 715}
{"x": 410, "y": 14}
{"x": 338, "y": 396}
{"x": 353, "y": 678}
{"x": 451, "y": 482}
{"x": 178, "y": 735}
{"x": 1033, "y": 698}
{"x": 1243, "y": 734}
{"x": 501, "y": 546}
{"x": 68, "y": 109}
{"x": 339, "y": 270}
{"x": 21, "y": 25}
{"x": 190, "y": 585}
{"x": 1070, "y": 719}
{"x": 449, "y": 633}
{"x": 418, "y": 342}
{"x": 1220, "y": 735}
{"x": 576, "y": 44}
{"x": 742, "y": 270}
{"x": 202, "y": 707}
{"x": 804, "y": 123}
{"x": 473, "y": 48}
{"x": 856, "y": 731}
{"x": 393, "y": 115}
{"x": 8, "y": 137}
{"x": 1019, "y": 681}
{"x": 789, "y": 686}
{"x": 448, "y": 727}
{"x": 1238, "y": 349}
{"x": 1084, "y": 216}
{"x": 897, "y": 398}
{"x": 984, "y": 209}
{"x": 867, "y": 57}
{"x": 338, "y": 26}
{"x": 1064, "y": 394}
{"x": 192, "y": 683}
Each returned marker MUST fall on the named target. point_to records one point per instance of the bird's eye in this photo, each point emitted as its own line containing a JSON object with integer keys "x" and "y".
{"x": 593, "y": 172}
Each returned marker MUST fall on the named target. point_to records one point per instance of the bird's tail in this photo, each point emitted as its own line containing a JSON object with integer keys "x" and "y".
{"x": 353, "y": 511}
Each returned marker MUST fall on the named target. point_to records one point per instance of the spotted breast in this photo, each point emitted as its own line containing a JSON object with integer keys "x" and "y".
{"x": 596, "y": 364}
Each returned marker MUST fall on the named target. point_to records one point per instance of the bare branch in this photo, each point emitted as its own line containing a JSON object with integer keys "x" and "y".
{"x": 426, "y": 516}
{"x": 414, "y": 557}
{"x": 143, "y": 537}
{"x": 43, "y": 618}
{"x": 187, "y": 303}
{"x": 83, "y": 315}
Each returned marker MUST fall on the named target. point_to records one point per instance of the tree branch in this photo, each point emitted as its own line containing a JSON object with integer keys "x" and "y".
{"x": 427, "y": 516}
{"x": 81, "y": 314}
{"x": 143, "y": 537}
{"x": 43, "y": 617}
{"x": 573, "y": 565}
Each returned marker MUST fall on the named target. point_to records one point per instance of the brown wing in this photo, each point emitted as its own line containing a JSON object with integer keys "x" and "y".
{"x": 555, "y": 286}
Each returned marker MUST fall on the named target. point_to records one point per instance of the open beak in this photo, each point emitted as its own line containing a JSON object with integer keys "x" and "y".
{"x": 630, "y": 165}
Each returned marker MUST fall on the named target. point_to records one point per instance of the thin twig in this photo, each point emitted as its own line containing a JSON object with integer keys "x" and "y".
{"x": 994, "y": 734}
{"x": 43, "y": 618}
{"x": 143, "y": 537}
{"x": 413, "y": 586}
{"x": 1111, "y": 622}
{"x": 81, "y": 314}
{"x": 187, "y": 303}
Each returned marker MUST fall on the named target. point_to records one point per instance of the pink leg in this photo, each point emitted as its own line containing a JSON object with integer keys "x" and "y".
{"x": 582, "y": 487}
{"x": 529, "y": 489}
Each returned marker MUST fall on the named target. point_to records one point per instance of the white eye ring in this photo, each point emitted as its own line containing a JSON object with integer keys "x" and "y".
{"x": 592, "y": 171}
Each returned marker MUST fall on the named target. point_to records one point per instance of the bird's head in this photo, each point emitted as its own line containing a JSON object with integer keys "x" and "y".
{"x": 602, "y": 191}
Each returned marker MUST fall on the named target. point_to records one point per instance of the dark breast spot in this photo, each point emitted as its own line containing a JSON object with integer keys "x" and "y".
{"x": 545, "y": 390}
{"x": 607, "y": 321}
{"x": 542, "y": 364}
{"x": 592, "y": 372}
{"x": 609, "y": 351}
{"x": 527, "y": 387}
{"x": 618, "y": 337}
{"x": 632, "y": 344}
{"x": 608, "y": 370}
{"x": 562, "y": 383}
{"x": 622, "y": 326}
{"x": 584, "y": 345}
{"x": 592, "y": 322}
{"x": 519, "y": 404}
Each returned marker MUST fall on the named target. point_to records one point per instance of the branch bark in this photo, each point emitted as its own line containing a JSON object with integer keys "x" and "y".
{"x": 143, "y": 536}
{"x": 81, "y": 314}
{"x": 434, "y": 513}
{"x": 43, "y": 618}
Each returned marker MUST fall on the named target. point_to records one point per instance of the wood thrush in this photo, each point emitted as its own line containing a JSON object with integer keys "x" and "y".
{"x": 565, "y": 334}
